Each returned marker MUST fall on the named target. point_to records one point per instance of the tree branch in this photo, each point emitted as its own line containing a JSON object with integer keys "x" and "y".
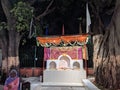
{"x": 47, "y": 11}
{"x": 6, "y": 7}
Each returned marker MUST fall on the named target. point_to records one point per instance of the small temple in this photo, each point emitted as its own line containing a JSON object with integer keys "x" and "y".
{"x": 64, "y": 57}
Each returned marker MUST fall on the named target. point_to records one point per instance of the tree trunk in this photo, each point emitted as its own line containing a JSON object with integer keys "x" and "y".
{"x": 11, "y": 42}
{"x": 4, "y": 46}
{"x": 97, "y": 39}
{"x": 10, "y": 52}
{"x": 13, "y": 49}
{"x": 108, "y": 69}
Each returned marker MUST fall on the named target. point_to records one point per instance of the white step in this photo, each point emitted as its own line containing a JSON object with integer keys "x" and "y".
{"x": 89, "y": 85}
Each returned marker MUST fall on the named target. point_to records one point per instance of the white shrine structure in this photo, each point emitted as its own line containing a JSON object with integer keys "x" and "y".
{"x": 64, "y": 59}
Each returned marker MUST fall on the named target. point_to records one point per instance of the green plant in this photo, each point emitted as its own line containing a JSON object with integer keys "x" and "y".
{"x": 23, "y": 13}
{"x": 3, "y": 26}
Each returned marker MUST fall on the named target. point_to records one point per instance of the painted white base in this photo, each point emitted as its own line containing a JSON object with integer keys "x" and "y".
{"x": 64, "y": 77}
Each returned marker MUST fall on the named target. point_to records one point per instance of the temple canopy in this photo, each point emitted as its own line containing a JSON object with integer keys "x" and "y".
{"x": 71, "y": 40}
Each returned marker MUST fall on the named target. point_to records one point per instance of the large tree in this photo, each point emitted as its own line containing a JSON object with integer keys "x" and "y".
{"x": 19, "y": 16}
{"x": 18, "y": 21}
{"x": 107, "y": 43}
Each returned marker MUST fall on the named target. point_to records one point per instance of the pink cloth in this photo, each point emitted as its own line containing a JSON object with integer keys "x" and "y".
{"x": 80, "y": 53}
{"x": 14, "y": 85}
{"x": 55, "y": 52}
{"x": 46, "y": 53}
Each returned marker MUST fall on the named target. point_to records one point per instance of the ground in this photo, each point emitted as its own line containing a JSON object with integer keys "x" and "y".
{"x": 1, "y": 87}
{"x": 91, "y": 78}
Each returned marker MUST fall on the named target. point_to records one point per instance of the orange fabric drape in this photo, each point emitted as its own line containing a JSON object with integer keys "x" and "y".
{"x": 66, "y": 39}
{"x": 43, "y": 40}
{"x": 82, "y": 38}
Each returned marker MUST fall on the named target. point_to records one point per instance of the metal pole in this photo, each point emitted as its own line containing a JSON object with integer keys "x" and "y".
{"x": 35, "y": 58}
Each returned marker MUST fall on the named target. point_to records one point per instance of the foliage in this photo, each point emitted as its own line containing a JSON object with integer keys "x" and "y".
{"x": 3, "y": 26}
{"x": 23, "y": 13}
{"x": 39, "y": 30}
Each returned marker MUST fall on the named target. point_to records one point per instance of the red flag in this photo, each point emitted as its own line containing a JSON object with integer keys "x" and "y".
{"x": 63, "y": 29}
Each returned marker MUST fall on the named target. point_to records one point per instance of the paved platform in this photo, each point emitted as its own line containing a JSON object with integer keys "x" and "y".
{"x": 56, "y": 84}
{"x": 47, "y": 86}
{"x": 59, "y": 88}
{"x": 1, "y": 87}
{"x": 37, "y": 85}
